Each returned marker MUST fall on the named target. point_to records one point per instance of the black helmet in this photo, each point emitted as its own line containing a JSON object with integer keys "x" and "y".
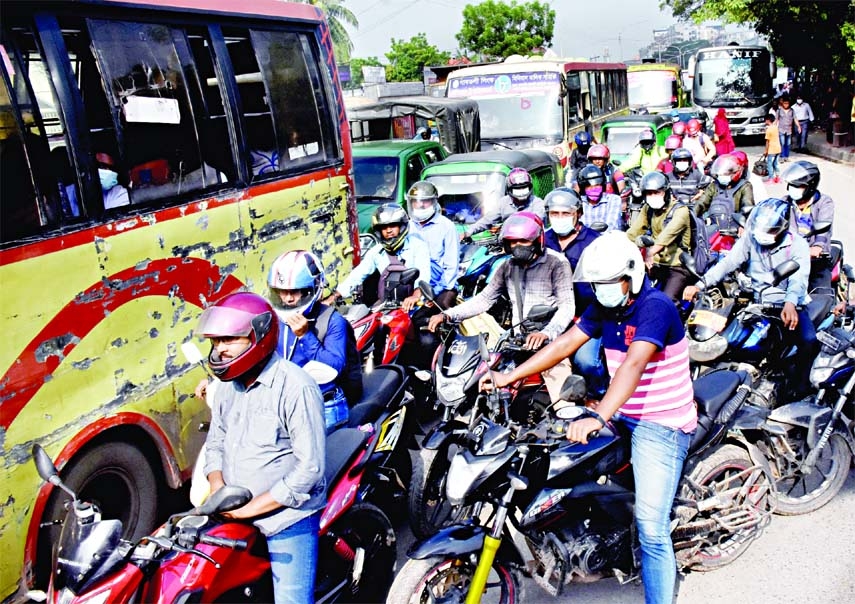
{"x": 681, "y": 154}
{"x": 590, "y": 176}
{"x": 802, "y": 174}
{"x": 390, "y": 214}
{"x": 656, "y": 182}
{"x": 646, "y": 138}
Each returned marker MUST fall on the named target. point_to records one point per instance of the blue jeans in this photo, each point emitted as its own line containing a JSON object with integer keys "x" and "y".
{"x": 336, "y": 411}
{"x": 588, "y": 361}
{"x": 803, "y": 133}
{"x": 293, "y": 560}
{"x": 657, "y": 464}
{"x": 772, "y": 166}
{"x": 785, "y": 144}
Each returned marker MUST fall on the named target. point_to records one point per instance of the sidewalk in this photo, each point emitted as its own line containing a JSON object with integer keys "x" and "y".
{"x": 817, "y": 145}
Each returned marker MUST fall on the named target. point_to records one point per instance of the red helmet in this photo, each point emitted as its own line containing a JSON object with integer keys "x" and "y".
{"x": 693, "y": 126}
{"x": 726, "y": 170}
{"x": 240, "y": 314}
{"x": 673, "y": 142}
{"x": 742, "y": 158}
{"x": 599, "y": 151}
{"x": 679, "y": 128}
{"x": 524, "y": 226}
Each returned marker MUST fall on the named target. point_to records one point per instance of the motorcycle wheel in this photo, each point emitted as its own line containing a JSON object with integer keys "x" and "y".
{"x": 119, "y": 478}
{"x": 428, "y": 505}
{"x": 800, "y": 493}
{"x": 363, "y": 527}
{"x": 710, "y": 545}
{"x": 439, "y": 579}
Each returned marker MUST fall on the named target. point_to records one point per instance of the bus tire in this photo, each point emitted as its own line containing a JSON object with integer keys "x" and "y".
{"x": 119, "y": 478}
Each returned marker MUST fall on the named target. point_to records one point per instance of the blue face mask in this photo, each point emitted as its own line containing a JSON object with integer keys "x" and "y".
{"x": 109, "y": 179}
{"x": 611, "y": 295}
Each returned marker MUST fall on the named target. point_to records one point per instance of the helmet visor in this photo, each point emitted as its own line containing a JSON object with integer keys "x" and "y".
{"x": 590, "y": 271}
{"x": 220, "y": 321}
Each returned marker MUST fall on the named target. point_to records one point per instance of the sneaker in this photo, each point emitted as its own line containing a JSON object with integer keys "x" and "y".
{"x": 776, "y": 179}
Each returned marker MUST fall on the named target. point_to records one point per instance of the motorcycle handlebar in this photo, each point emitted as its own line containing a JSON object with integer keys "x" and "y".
{"x": 223, "y": 542}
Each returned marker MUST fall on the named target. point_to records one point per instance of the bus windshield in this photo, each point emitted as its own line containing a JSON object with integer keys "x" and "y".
{"x": 515, "y": 104}
{"x": 651, "y": 89}
{"x": 732, "y": 78}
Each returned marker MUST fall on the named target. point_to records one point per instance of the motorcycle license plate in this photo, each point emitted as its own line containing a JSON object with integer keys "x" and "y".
{"x": 706, "y": 318}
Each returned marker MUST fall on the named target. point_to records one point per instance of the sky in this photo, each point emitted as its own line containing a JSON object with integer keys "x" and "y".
{"x": 583, "y": 28}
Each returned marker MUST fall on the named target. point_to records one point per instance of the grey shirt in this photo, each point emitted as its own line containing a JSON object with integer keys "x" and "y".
{"x": 271, "y": 437}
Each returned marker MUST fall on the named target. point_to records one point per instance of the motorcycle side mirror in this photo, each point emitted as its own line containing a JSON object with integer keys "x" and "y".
{"x": 687, "y": 260}
{"x": 616, "y": 162}
{"x": 600, "y": 227}
{"x": 540, "y": 313}
{"x": 646, "y": 241}
{"x": 227, "y": 498}
{"x": 574, "y": 389}
{"x": 409, "y": 276}
{"x": 819, "y": 228}
{"x": 849, "y": 272}
{"x": 427, "y": 292}
{"x": 44, "y": 465}
{"x": 784, "y": 270}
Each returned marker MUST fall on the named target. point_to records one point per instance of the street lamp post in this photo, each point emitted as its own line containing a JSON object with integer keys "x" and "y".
{"x": 679, "y": 52}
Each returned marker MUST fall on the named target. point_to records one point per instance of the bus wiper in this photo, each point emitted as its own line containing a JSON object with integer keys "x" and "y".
{"x": 493, "y": 141}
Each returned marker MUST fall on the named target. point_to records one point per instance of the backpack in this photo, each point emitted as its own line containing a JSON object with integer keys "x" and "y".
{"x": 698, "y": 240}
{"x": 350, "y": 377}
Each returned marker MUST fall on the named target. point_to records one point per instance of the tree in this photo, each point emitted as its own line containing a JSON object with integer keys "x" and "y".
{"x": 407, "y": 59}
{"x": 803, "y": 33}
{"x": 337, "y": 16}
{"x": 498, "y": 30}
{"x": 356, "y": 65}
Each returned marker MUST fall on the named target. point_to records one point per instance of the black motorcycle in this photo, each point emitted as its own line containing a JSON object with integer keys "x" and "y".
{"x": 810, "y": 443}
{"x": 559, "y": 511}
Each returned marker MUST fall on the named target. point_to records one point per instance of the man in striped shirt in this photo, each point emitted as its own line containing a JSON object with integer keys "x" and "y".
{"x": 650, "y": 390}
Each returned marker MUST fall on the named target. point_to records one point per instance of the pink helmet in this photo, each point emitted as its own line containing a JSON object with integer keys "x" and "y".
{"x": 599, "y": 151}
{"x": 673, "y": 142}
{"x": 519, "y": 185}
{"x": 524, "y": 226}
{"x": 694, "y": 126}
{"x": 240, "y": 314}
{"x": 678, "y": 129}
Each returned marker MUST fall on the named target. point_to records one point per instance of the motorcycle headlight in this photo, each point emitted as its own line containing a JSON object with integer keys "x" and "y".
{"x": 468, "y": 471}
{"x": 450, "y": 389}
{"x": 708, "y": 350}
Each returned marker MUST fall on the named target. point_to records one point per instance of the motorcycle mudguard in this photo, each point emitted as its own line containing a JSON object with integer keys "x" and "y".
{"x": 750, "y": 417}
{"x": 804, "y": 414}
{"x": 452, "y": 541}
{"x": 436, "y": 437}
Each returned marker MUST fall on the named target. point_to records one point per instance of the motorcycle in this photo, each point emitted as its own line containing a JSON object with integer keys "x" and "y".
{"x": 200, "y": 556}
{"x": 810, "y": 444}
{"x": 748, "y": 334}
{"x": 559, "y": 511}
{"x": 457, "y": 368}
{"x": 479, "y": 261}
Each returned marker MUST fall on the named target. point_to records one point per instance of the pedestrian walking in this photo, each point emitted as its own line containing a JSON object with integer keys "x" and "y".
{"x": 787, "y": 126}
{"x": 804, "y": 116}
{"x": 722, "y": 137}
{"x": 773, "y": 149}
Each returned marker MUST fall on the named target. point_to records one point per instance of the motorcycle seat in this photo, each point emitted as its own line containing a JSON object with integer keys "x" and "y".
{"x": 819, "y": 306}
{"x": 341, "y": 445}
{"x": 713, "y": 390}
{"x": 378, "y": 388}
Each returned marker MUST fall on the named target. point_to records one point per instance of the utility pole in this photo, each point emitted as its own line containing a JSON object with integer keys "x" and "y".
{"x": 620, "y": 48}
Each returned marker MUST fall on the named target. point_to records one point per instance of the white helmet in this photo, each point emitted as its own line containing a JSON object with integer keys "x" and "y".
{"x": 610, "y": 257}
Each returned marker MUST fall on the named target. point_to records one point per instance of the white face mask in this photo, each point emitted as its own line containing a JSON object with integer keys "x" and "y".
{"x": 521, "y": 194}
{"x": 799, "y": 101}
{"x": 564, "y": 225}
{"x": 796, "y": 192}
{"x": 681, "y": 166}
{"x": 109, "y": 179}
{"x": 723, "y": 180}
{"x": 655, "y": 200}
{"x": 610, "y": 295}
{"x": 422, "y": 214}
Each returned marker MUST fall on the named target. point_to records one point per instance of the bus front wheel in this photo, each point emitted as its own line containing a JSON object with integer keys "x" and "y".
{"x": 116, "y": 476}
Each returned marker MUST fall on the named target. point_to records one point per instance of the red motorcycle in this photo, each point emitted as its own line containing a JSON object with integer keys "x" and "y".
{"x": 199, "y": 556}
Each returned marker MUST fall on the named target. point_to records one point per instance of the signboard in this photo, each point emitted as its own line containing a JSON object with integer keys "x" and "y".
{"x": 344, "y": 73}
{"x": 505, "y": 84}
{"x": 374, "y": 75}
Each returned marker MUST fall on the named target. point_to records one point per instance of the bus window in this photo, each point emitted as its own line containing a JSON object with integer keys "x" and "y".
{"x": 149, "y": 70}
{"x": 279, "y": 82}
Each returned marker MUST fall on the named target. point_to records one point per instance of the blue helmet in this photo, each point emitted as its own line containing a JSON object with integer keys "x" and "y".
{"x": 769, "y": 221}
{"x": 583, "y": 140}
{"x": 296, "y": 270}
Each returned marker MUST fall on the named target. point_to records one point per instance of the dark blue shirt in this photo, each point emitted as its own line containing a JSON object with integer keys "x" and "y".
{"x": 584, "y": 294}
{"x": 332, "y": 351}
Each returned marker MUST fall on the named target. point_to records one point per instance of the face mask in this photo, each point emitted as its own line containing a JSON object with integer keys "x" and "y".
{"x": 611, "y": 295}
{"x": 523, "y": 254}
{"x": 681, "y": 166}
{"x": 422, "y": 214}
{"x": 723, "y": 180}
{"x": 521, "y": 194}
{"x": 563, "y": 226}
{"x": 109, "y": 179}
{"x": 799, "y": 101}
{"x": 594, "y": 194}
{"x": 655, "y": 200}
{"x": 796, "y": 192}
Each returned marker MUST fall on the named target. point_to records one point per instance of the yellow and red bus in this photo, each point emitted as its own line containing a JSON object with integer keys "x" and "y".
{"x": 655, "y": 88}
{"x": 156, "y": 154}
{"x": 541, "y": 103}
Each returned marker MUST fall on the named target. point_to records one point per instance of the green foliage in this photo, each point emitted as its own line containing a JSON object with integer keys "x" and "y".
{"x": 408, "y": 58}
{"x": 337, "y": 16}
{"x": 497, "y": 30}
{"x": 356, "y": 65}
{"x": 803, "y": 33}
